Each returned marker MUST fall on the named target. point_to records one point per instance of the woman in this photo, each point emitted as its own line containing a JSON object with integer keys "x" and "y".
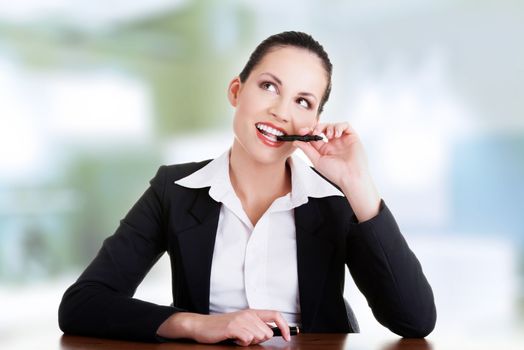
{"x": 256, "y": 236}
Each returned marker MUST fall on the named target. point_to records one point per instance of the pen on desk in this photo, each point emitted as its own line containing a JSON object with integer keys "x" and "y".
{"x": 293, "y": 330}
{"x": 304, "y": 138}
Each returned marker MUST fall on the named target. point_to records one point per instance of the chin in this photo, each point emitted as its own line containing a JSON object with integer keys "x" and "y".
{"x": 269, "y": 156}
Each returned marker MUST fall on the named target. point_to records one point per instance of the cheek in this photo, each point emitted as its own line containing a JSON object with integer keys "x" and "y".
{"x": 244, "y": 118}
{"x": 250, "y": 103}
{"x": 306, "y": 119}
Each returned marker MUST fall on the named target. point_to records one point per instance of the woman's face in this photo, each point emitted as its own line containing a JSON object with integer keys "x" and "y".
{"x": 281, "y": 95}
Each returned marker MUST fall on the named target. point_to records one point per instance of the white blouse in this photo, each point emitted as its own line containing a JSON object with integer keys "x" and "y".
{"x": 255, "y": 267}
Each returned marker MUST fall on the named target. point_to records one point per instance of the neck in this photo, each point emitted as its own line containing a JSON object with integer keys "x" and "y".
{"x": 253, "y": 180}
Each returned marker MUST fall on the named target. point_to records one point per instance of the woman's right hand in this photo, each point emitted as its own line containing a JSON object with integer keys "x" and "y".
{"x": 246, "y": 327}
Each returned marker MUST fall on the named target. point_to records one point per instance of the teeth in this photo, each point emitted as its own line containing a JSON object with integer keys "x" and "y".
{"x": 269, "y": 130}
{"x": 270, "y": 137}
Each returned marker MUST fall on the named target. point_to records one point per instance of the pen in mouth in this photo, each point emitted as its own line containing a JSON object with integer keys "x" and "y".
{"x": 303, "y": 138}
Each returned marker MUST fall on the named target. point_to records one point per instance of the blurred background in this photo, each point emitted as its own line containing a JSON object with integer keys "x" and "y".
{"x": 96, "y": 95}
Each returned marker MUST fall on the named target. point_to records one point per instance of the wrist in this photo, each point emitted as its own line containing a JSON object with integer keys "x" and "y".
{"x": 178, "y": 325}
{"x": 355, "y": 181}
{"x": 362, "y": 196}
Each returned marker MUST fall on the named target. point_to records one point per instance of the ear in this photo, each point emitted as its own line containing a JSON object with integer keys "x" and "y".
{"x": 233, "y": 91}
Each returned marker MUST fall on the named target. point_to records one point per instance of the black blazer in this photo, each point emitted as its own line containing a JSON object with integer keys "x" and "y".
{"x": 183, "y": 222}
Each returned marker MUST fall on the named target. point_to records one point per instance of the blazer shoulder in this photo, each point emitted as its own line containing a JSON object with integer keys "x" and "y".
{"x": 176, "y": 172}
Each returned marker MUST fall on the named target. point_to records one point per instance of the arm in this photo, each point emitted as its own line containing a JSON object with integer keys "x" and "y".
{"x": 384, "y": 268}
{"x": 389, "y": 275}
{"x": 100, "y": 302}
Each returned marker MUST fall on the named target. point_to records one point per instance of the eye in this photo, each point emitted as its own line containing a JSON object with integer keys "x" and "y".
{"x": 268, "y": 86}
{"x": 304, "y": 103}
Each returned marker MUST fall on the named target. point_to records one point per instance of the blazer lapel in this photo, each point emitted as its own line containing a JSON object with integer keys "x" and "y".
{"x": 197, "y": 242}
{"x": 313, "y": 259}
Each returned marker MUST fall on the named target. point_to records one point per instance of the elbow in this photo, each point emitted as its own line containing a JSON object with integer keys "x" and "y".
{"x": 65, "y": 316}
{"x": 64, "y": 323}
{"x": 418, "y": 326}
{"x": 418, "y": 330}
{"x": 416, "y": 321}
{"x": 419, "y": 316}
{"x": 71, "y": 311}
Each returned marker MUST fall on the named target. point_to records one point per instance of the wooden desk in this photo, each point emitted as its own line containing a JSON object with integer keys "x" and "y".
{"x": 301, "y": 341}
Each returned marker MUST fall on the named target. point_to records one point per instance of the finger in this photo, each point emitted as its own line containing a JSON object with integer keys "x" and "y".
{"x": 262, "y": 335}
{"x": 330, "y": 131}
{"x": 313, "y": 131}
{"x": 349, "y": 129}
{"x": 260, "y": 330}
{"x": 310, "y": 151}
{"x": 243, "y": 337}
{"x": 284, "y": 327}
{"x": 317, "y": 145}
{"x": 256, "y": 326}
{"x": 340, "y": 128}
{"x": 274, "y": 316}
{"x": 258, "y": 337}
{"x": 319, "y": 128}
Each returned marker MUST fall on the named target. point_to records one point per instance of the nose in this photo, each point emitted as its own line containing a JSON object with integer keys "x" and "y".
{"x": 280, "y": 111}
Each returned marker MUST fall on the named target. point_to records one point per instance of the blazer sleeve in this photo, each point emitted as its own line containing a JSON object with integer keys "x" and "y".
{"x": 100, "y": 303}
{"x": 389, "y": 275}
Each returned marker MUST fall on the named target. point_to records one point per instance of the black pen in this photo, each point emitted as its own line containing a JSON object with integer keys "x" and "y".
{"x": 293, "y": 330}
{"x": 304, "y": 138}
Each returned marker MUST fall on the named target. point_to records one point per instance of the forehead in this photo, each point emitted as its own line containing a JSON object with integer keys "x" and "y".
{"x": 297, "y": 68}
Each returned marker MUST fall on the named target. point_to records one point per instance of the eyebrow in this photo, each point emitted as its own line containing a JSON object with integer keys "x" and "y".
{"x": 279, "y": 82}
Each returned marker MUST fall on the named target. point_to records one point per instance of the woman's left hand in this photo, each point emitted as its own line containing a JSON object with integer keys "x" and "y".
{"x": 343, "y": 161}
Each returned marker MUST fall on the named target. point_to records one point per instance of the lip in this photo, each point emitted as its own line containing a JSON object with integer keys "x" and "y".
{"x": 273, "y": 126}
{"x": 265, "y": 140}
